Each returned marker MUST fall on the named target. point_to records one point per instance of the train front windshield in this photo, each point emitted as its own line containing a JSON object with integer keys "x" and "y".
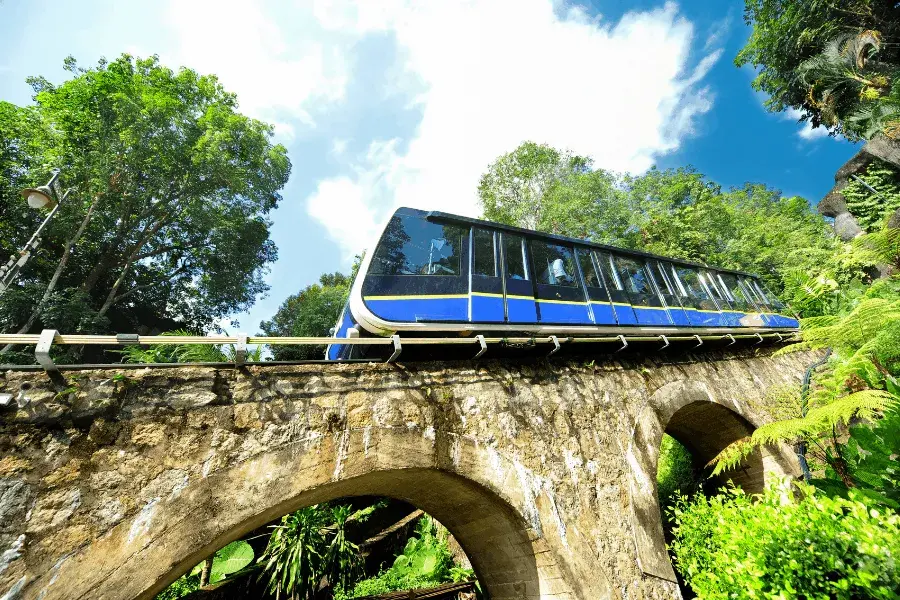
{"x": 413, "y": 246}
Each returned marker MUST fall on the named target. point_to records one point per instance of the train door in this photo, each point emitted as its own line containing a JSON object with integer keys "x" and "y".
{"x": 518, "y": 292}
{"x": 599, "y": 303}
{"x": 486, "y": 304}
{"x": 558, "y": 289}
{"x": 660, "y": 276}
{"x": 619, "y": 299}
{"x": 699, "y": 306}
{"x": 647, "y": 303}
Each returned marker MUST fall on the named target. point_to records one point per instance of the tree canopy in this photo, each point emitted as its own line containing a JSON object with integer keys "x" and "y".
{"x": 311, "y": 312}
{"x": 167, "y": 222}
{"x": 837, "y": 61}
{"x": 676, "y": 212}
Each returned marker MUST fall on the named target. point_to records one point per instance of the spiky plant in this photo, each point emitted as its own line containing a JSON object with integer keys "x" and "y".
{"x": 294, "y": 556}
{"x": 342, "y": 560}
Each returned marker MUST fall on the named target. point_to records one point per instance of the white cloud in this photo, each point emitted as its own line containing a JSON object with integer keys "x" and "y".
{"x": 806, "y": 131}
{"x": 276, "y": 68}
{"x": 488, "y": 75}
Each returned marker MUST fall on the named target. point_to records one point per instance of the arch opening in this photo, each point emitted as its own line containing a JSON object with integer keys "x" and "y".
{"x": 687, "y": 412}
{"x": 352, "y": 547}
{"x": 491, "y": 534}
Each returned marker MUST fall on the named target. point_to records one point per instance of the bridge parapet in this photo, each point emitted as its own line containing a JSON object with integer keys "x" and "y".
{"x": 544, "y": 471}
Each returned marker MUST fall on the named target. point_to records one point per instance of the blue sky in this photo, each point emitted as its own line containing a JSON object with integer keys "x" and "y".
{"x": 387, "y": 103}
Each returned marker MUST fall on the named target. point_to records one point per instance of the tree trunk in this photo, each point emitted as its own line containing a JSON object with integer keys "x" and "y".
{"x": 204, "y": 572}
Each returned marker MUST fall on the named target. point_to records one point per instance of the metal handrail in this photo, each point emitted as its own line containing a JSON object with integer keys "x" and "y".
{"x": 42, "y": 341}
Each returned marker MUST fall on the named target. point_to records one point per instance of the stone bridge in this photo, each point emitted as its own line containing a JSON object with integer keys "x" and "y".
{"x": 544, "y": 471}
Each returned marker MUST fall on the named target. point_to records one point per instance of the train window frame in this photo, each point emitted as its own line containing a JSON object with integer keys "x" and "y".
{"x": 714, "y": 292}
{"x": 521, "y": 256}
{"x": 641, "y": 265}
{"x": 553, "y": 279}
{"x": 665, "y": 278}
{"x": 475, "y": 252}
{"x": 682, "y": 291}
{"x": 696, "y": 299}
{"x": 610, "y": 270}
{"x": 378, "y": 261}
{"x": 588, "y": 254}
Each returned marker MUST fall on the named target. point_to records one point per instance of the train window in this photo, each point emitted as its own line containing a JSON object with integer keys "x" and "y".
{"x": 587, "y": 269}
{"x": 554, "y": 264}
{"x": 752, "y": 293}
{"x": 689, "y": 281}
{"x": 514, "y": 253}
{"x": 607, "y": 270}
{"x": 634, "y": 276}
{"x": 669, "y": 288}
{"x": 484, "y": 260}
{"x": 735, "y": 292}
{"x": 679, "y": 287}
{"x": 413, "y": 246}
{"x": 768, "y": 295}
{"x": 714, "y": 288}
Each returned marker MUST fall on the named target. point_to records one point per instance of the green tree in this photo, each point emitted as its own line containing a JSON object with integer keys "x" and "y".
{"x": 675, "y": 212}
{"x": 514, "y": 188}
{"x": 167, "y": 223}
{"x": 818, "y": 56}
{"x": 311, "y": 312}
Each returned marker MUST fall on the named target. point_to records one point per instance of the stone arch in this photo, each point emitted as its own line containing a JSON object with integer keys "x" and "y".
{"x": 139, "y": 557}
{"x": 705, "y": 424}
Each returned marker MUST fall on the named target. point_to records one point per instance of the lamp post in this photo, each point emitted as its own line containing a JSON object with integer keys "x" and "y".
{"x": 42, "y": 197}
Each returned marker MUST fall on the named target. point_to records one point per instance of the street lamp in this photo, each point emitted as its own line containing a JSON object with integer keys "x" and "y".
{"x": 40, "y": 197}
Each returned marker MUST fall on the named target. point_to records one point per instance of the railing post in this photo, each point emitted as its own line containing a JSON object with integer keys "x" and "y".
{"x": 240, "y": 350}
{"x": 42, "y": 351}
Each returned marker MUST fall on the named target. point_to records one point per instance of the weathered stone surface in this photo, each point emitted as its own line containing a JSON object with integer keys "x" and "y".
{"x": 846, "y": 227}
{"x": 543, "y": 471}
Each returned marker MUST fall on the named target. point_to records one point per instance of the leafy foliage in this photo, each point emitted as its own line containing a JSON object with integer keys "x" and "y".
{"x": 293, "y": 559}
{"x": 832, "y": 60}
{"x": 185, "y": 353}
{"x": 870, "y": 455}
{"x": 426, "y": 561}
{"x": 182, "y": 586}
{"x": 675, "y": 474}
{"x": 167, "y": 223}
{"x": 732, "y": 547}
{"x": 870, "y": 209}
{"x": 230, "y": 559}
{"x": 310, "y": 313}
{"x": 308, "y": 545}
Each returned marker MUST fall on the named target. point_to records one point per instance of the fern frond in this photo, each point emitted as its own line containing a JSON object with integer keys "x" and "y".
{"x": 865, "y": 404}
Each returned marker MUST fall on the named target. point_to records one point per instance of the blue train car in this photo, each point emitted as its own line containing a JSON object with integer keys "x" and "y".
{"x": 434, "y": 273}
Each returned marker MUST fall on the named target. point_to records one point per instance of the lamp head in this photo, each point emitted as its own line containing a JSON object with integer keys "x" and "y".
{"x": 39, "y": 197}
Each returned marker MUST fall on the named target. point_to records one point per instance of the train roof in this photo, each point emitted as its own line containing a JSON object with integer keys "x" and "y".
{"x": 442, "y": 216}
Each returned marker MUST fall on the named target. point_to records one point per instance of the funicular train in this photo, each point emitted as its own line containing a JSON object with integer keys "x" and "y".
{"x": 437, "y": 274}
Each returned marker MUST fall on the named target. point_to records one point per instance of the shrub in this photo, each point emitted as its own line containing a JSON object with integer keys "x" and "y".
{"x": 732, "y": 546}
{"x": 675, "y": 473}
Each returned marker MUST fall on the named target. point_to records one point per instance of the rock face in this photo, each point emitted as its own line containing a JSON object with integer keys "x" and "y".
{"x": 544, "y": 472}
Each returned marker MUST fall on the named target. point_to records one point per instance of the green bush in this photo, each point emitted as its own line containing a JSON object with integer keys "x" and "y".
{"x": 675, "y": 473}
{"x": 182, "y": 586}
{"x": 732, "y": 546}
{"x": 426, "y": 561}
